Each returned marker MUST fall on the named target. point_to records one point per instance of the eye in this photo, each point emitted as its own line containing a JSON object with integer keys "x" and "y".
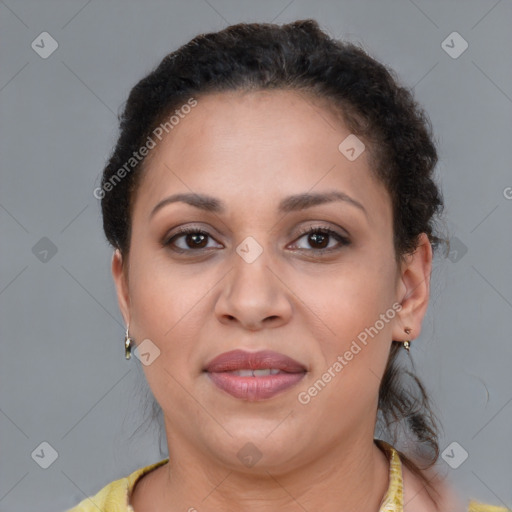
{"x": 190, "y": 239}
{"x": 320, "y": 239}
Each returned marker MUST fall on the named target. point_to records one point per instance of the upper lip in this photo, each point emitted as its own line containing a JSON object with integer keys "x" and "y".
{"x": 240, "y": 360}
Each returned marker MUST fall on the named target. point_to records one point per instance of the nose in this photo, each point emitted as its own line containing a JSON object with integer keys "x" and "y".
{"x": 254, "y": 295}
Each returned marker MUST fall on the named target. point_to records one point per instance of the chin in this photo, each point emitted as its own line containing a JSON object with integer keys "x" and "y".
{"x": 257, "y": 450}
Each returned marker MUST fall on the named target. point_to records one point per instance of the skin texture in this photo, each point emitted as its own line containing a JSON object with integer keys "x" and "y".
{"x": 251, "y": 150}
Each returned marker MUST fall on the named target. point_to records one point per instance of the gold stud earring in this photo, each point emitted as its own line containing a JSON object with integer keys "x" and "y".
{"x": 407, "y": 343}
{"x": 127, "y": 344}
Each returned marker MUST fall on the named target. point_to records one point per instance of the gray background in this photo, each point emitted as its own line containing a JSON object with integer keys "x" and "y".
{"x": 64, "y": 379}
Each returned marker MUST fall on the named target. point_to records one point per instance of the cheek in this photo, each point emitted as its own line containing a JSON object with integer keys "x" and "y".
{"x": 169, "y": 306}
{"x": 163, "y": 311}
{"x": 162, "y": 294}
{"x": 348, "y": 299}
{"x": 354, "y": 339}
{"x": 357, "y": 318}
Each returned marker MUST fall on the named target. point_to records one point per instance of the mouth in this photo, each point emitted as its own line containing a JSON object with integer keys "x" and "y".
{"x": 254, "y": 376}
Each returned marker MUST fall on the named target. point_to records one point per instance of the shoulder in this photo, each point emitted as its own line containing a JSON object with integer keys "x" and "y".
{"x": 476, "y": 506}
{"x": 417, "y": 499}
{"x": 114, "y": 496}
{"x": 111, "y": 498}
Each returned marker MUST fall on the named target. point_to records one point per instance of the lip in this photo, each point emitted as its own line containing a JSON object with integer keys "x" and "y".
{"x": 254, "y": 388}
{"x": 264, "y": 359}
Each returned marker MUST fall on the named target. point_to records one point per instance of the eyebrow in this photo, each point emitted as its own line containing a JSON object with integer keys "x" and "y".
{"x": 292, "y": 203}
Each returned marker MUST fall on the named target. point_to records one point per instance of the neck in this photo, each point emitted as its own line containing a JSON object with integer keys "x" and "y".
{"x": 354, "y": 476}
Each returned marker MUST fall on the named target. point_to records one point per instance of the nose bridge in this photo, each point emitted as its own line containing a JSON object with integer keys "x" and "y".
{"x": 252, "y": 293}
{"x": 251, "y": 279}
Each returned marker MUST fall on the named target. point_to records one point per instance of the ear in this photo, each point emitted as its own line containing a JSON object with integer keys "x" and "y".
{"x": 121, "y": 282}
{"x": 414, "y": 290}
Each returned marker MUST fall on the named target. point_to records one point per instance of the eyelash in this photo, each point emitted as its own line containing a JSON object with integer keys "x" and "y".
{"x": 343, "y": 241}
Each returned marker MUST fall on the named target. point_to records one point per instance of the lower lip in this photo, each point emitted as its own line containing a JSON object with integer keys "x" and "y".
{"x": 255, "y": 388}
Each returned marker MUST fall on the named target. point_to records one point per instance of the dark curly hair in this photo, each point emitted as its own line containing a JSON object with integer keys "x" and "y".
{"x": 299, "y": 56}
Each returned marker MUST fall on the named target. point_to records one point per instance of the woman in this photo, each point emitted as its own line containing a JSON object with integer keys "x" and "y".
{"x": 272, "y": 208}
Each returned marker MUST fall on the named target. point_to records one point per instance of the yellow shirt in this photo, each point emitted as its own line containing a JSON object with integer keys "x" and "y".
{"x": 115, "y": 496}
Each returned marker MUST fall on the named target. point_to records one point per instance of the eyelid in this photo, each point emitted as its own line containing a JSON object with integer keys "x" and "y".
{"x": 318, "y": 226}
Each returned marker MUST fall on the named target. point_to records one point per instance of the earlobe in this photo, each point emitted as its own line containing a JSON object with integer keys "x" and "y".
{"x": 118, "y": 274}
{"x": 414, "y": 290}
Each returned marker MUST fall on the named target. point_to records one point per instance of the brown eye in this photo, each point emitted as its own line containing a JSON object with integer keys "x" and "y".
{"x": 188, "y": 239}
{"x": 323, "y": 239}
{"x": 319, "y": 240}
{"x": 196, "y": 240}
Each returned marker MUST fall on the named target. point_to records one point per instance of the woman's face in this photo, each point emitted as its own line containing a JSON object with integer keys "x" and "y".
{"x": 253, "y": 281}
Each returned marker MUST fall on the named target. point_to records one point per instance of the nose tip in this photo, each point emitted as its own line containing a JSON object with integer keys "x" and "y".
{"x": 254, "y": 325}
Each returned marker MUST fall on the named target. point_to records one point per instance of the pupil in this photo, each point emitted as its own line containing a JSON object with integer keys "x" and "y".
{"x": 316, "y": 236}
{"x": 196, "y": 239}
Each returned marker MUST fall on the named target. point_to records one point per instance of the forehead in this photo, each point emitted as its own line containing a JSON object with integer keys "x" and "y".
{"x": 259, "y": 146}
